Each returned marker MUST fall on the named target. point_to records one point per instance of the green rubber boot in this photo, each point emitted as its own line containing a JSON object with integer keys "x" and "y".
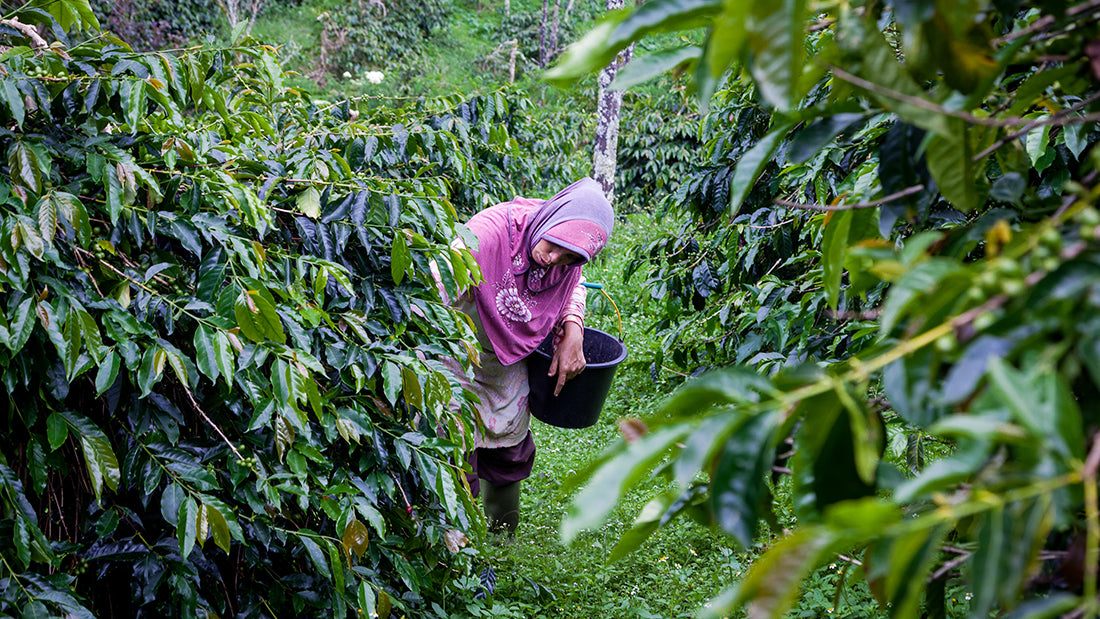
{"x": 501, "y": 506}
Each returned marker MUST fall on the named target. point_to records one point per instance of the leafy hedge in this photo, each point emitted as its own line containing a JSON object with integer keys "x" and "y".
{"x": 223, "y": 352}
{"x": 893, "y": 244}
{"x": 370, "y": 35}
{"x": 159, "y": 24}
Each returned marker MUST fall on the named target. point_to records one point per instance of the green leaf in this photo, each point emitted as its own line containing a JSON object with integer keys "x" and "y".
{"x": 1075, "y": 136}
{"x": 178, "y": 365}
{"x": 74, "y": 335}
{"x": 738, "y": 490}
{"x": 391, "y": 381}
{"x": 14, "y": 100}
{"x": 135, "y": 103}
{"x": 23, "y": 167}
{"x": 653, "y": 514}
{"x": 101, "y": 463}
{"x": 151, "y": 369}
{"x": 99, "y": 457}
{"x": 30, "y": 239}
{"x": 949, "y": 161}
{"x": 92, "y": 337}
{"x": 281, "y": 383}
{"x": 309, "y": 203}
{"x": 811, "y": 139}
{"x": 597, "y": 48}
{"x": 223, "y": 355}
{"x": 1016, "y": 393}
{"x": 400, "y": 258}
{"x": 912, "y": 287}
{"x": 775, "y": 39}
{"x": 592, "y": 504}
{"x": 641, "y": 69}
{"x": 47, "y": 219}
{"x": 21, "y": 324}
{"x": 219, "y": 528}
{"x": 834, "y": 249}
{"x": 108, "y": 372}
{"x": 411, "y": 387}
{"x": 113, "y": 187}
{"x": 257, "y": 318}
{"x": 70, "y": 14}
{"x": 57, "y": 430}
{"x": 205, "y": 353}
{"x": 22, "y": 539}
{"x": 316, "y": 555}
{"x": 726, "y": 40}
{"x": 751, "y": 164}
{"x": 733, "y": 385}
{"x": 1037, "y": 142}
{"x": 898, "y": 567}
{"x": 775, "y": 578}
{"x": 187, "y": 526}
{"x": 701, "y": 447}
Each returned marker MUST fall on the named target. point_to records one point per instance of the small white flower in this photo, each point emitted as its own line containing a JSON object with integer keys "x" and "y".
{"x": 347, "y": 75}
{"x": 374, "y": 77}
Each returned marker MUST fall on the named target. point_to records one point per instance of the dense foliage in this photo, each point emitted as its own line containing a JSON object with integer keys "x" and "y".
{"x": 363, "y": 36}
{"x": 158, "y": 24}
{"x": 658, "y": 149}
{"x": 895, "y": 242}
{"x": 223, "y": 353}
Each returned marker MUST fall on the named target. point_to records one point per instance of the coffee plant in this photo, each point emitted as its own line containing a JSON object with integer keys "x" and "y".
{"x": 658, "y": 146}
{"x": 366, "y": 35}
{"x": 895, "y": 236}
{"x": 223, "y": 353}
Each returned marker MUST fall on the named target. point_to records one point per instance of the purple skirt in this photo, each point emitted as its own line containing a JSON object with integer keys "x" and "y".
{"x": 501, "y": 465}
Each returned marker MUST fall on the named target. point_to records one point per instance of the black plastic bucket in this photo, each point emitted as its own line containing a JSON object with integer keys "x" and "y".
{"x": 581, "y": 399}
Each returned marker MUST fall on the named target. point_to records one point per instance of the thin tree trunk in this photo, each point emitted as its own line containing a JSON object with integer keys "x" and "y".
{"x": 554, "y": 31}
{"x": 512, "y": 61}
{"x": 608, "y": 112}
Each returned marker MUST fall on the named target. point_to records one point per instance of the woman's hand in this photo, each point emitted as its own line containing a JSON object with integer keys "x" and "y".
{"x": 568, "y": 358}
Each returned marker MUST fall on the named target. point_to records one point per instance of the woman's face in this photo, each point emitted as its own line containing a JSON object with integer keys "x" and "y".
{"x": 549, "y": 254}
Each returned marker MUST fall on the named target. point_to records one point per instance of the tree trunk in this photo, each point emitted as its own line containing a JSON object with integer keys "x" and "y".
{"x": 553, "y": 46}
{"x": 234, "y": 12}
{"x": 512, "y": 61}
{"x": 608, "y": 111}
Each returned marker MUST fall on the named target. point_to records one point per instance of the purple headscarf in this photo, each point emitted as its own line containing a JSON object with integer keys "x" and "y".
{"x": 519, "y": 301}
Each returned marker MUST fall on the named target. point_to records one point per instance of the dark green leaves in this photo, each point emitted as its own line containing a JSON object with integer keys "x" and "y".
{"x": 739, "y": 496}
{"x": 752, "y": 164}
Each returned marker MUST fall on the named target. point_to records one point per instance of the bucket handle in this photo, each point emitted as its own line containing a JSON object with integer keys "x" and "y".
{"x": 600, "y": 287}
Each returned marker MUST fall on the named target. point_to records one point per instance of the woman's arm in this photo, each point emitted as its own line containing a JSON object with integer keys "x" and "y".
{"x": 568, "y": 358}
